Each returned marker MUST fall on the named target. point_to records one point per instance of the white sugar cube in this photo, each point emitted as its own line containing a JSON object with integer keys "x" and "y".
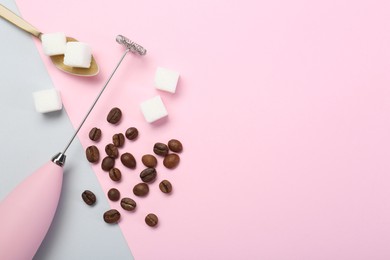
{"x": 166, "y": 79}
{"x": 53, "y": 43}
{"x": 47, "y": 100}
{"x": 153, "y": 109}
{"x": 78, "y": 54}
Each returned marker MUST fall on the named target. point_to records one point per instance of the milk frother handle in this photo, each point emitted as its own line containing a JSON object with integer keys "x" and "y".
{"x": 27, "y": 212}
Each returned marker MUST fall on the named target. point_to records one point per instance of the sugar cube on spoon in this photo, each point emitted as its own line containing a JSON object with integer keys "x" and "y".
{"x": 78, "y": 54}
{"x": 53, "y": 43}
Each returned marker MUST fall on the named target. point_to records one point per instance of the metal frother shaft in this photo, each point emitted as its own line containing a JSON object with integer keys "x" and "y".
{"x": 131, "y": 46}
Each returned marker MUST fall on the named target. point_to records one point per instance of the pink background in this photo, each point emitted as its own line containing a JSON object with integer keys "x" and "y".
{"x": 282, "y": 107}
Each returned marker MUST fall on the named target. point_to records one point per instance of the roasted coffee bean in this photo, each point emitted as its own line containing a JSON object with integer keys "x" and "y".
{"x": 115, "y": 174}
{"x": 111, "y": 216}
{"x": 131, "y": 133}
{"x": 114, "y": 116}
{"x": 108, "y": 163}
{"x": 92, "y": 154}
{"x": 128, "y": 160}
{"x": 149, "y": 160}
{"x": 160, "y": 149}
{"x": 148, "y": 175}
{"x": 88, "y": 197}
{"x": 175, "y": 146}
{"x": 113, "y": 194}
{"x": 165, "y": 186}
{"x": 112, "y": 151}
{"x": 151, "y": 220}
{"x": 171, "y": 160}
{"x": 141, "y": 189}
{"x": 128, "y": 204}
{"x": 95, "y": 134}
{"x": 118, "y": 140}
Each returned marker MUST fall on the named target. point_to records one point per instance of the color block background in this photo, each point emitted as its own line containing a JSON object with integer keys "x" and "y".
{"x": 282, "y": 107}
{"x": 30, "y": 139}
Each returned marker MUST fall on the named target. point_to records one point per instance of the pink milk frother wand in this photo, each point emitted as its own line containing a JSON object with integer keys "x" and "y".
{"x": 27, "y": 212}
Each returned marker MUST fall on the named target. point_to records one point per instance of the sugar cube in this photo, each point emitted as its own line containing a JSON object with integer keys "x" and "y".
{"x": 53, "y": 43}
{"x": 166, "y": 79}
{"x": 153, "y": 109}
{"x": 78, "y": 54}
{"x": 47, "y": 100}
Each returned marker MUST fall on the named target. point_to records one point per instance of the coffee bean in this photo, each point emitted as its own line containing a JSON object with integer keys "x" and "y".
{"x": 113, "y": 194}
{"x": 128, "y": 204}
{"x": 151, "y": 220}
{"x": 108, "y": 163}
{"x": 88, "y": 197}
{"x": 114, "y": 116}
{"x": 131, "y": 133}
{"x": 160, "y": 149}
{"x": 171, "y": 160}
{"x": 175, "y": 146}
{"x": 118, "y": 140}
{"x": 148, "y": 175}
{"x": 95, "y": 134}
{"x": 149, "y": 160}
{"x": 92, "y": 154}
{"x": 165, "y": 186}
{"x": 128, "y": 160}
{"x": 115, "y": 174}
{"x": 112, "y": 151}
{"x": 141, "y": 189}
{"x": 111, "y": 216}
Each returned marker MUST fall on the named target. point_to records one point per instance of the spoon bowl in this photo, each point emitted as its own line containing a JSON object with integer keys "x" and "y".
{"x": 57, "y": 60}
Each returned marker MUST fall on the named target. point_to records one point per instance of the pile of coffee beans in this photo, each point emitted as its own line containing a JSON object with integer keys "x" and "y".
{"x": 168, "y": 152}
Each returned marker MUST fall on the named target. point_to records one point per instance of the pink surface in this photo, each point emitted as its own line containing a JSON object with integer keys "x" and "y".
{"x": 283, "y": 109}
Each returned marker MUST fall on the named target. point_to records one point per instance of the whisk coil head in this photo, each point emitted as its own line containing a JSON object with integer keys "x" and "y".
{"x": 132, "y": 46}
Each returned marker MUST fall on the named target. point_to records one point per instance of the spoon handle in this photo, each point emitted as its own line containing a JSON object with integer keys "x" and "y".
{"x": 18, "y": 21}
